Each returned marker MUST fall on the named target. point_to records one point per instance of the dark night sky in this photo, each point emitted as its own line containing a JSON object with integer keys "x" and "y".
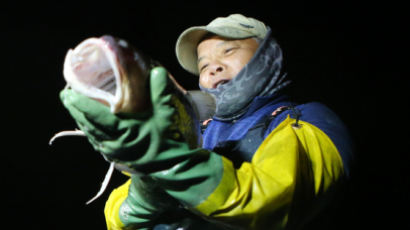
{"x": 347, "y": 55}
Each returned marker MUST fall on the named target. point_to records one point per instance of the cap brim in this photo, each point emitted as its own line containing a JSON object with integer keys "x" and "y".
{"x": 189, "y": 39}
{"x": 186, "y": 48}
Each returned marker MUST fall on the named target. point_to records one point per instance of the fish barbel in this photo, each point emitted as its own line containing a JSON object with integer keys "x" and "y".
{"x": 109, "y": 70}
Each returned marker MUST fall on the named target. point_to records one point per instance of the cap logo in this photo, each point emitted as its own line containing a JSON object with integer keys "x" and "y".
{"x": 246, "y": 26}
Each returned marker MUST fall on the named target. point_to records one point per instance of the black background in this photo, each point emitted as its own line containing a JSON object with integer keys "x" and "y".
{"x": 348, "y": 55}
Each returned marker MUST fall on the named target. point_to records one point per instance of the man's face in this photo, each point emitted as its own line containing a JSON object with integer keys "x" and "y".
{"x": 221, "y": 59}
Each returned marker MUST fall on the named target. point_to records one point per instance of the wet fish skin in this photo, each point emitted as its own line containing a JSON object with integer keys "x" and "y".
{"x": 134, "y": 69}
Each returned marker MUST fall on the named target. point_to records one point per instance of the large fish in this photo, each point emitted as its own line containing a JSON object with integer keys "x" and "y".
{"x": 115, "y": 73}
{"x": 112, "y": 71}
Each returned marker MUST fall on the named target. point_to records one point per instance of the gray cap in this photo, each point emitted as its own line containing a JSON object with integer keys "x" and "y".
{"x": 235, "y": 26}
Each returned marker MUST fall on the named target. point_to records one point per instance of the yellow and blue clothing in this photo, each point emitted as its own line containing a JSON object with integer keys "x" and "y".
{"x": 261, "y": 171}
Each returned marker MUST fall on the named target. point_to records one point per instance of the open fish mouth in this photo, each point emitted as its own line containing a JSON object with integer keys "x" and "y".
{"x": 92, "y": 68}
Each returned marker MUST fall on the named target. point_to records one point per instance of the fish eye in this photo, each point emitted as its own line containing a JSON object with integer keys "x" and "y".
{"x": 123, "y": 43}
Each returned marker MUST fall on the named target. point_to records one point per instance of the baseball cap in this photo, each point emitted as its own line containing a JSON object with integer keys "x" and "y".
{"x": 234, "y": 26}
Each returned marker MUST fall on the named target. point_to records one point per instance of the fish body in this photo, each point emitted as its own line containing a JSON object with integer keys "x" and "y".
{"x": 112, "y": 71}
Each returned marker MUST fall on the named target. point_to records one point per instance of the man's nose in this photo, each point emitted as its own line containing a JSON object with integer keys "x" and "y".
{"x": 216, "y": 68}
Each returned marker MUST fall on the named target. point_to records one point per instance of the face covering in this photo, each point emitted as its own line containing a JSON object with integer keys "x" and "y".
{"x": 262, "y": 76}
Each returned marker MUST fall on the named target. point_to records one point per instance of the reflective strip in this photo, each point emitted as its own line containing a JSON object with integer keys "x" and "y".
{"x": 113, "y": 204}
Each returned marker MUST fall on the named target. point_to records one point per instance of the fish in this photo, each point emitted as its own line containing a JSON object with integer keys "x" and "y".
{"x": 111, "y": 71}
{"x": 114, "y": 72}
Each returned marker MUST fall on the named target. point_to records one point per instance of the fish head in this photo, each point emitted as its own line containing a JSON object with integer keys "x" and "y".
{"x": 110, "y": 70}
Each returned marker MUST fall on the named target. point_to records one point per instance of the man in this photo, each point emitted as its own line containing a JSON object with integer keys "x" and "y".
{"x": 264, "y": 162}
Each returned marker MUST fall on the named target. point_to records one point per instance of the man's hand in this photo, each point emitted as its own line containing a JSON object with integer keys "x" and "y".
{"x": 161, "y": 143}
{"x": 136, "y": 140}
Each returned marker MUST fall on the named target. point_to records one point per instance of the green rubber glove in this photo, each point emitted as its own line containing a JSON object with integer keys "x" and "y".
{"x": 162, "y": 143}
{"x": 135, "y": 140}
{"x": 147, "y": 206}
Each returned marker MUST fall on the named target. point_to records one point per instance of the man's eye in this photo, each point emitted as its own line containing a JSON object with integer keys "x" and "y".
{"x": 228, "y": 50}
{"x": 203, "y": 67}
